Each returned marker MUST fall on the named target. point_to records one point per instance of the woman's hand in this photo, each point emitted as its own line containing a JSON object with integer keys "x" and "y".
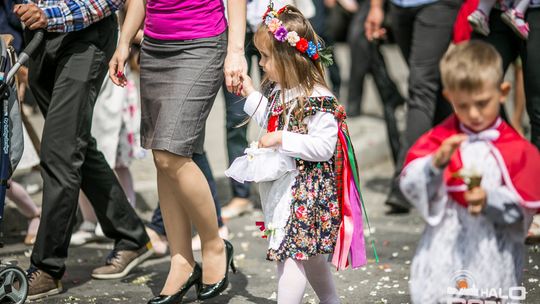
{"x": 117, "y": 63}
{"x": 272, "y": 139}
{"x": 476, "y": 198}
{"x": 235, "y": 66}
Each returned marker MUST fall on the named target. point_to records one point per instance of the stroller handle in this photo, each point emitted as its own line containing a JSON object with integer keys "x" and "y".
{"x": 34, "y": 43}
{"x": 26, "y": 53}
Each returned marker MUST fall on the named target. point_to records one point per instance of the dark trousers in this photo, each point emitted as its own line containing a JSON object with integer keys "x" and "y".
{"x": 201, "y": 161}
{"x": 423, "y": 35}
{"x": 510, "y": 46}
{"x": 234, "y": 116}
{"x": 319, "y": 22}
{"x": 65, "y": 76}
{"x": 367, "y": 58}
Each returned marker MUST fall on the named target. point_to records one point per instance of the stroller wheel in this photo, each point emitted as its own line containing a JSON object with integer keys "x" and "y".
{"x": 13, "y": 285}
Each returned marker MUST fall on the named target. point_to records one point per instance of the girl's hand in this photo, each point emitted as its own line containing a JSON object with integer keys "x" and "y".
{"x": 246, "y": 87}
{"x": 272, "y": 139}
{"x": 476, "y": 198}
{"x": 117, "y": 63}
{"x": 442, "y": 156}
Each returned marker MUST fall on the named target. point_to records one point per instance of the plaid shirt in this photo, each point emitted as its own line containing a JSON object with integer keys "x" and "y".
{"x": 74, "y": 15}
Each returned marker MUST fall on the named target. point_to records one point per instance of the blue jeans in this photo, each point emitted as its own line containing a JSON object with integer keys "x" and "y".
{"x": 200, "y": 159}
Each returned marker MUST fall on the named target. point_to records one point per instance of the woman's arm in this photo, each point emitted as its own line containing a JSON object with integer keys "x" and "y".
{"x": 235, "y": 62}
{"x": 136, "y": 13}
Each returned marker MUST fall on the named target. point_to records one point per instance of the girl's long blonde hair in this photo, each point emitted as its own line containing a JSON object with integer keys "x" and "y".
{"x": 294, "y": 69}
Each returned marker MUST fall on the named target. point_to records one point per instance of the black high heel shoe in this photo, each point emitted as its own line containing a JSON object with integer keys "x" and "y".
{"x": 208, "y": 291}
{"x": 195, "y": 278}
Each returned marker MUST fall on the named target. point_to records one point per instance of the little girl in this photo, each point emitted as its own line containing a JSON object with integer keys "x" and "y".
{"x": 303, "y": 209}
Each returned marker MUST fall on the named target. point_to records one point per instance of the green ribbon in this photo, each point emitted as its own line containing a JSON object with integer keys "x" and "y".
{"x": 352, "y": 160}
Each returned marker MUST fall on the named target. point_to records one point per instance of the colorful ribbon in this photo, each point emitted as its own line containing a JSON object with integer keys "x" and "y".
{"x": 351, "y": 232}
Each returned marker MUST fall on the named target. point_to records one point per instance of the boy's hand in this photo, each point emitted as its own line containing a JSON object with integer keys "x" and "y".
{"x": 447, "y": 149}
{"x": 271, "y": 139}
{"x": 246, "y": 87}
{"x": 476, "y": 198}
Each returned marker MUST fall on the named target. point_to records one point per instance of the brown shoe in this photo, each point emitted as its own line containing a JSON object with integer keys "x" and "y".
{"x": 120, "y": 262}
{"x": 42, "y": 284}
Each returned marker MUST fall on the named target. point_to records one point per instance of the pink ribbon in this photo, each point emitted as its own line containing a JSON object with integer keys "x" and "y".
{"x": 358, "y": 246}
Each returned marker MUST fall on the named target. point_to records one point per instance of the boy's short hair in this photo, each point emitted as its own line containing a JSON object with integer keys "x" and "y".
{"x": 468, "y": 66}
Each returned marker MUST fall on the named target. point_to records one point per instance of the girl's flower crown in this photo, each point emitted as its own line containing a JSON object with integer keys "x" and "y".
{"x": 281, "y": 34}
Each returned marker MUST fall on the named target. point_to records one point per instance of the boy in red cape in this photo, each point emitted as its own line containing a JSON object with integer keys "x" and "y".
{"x": 474, "y": 181}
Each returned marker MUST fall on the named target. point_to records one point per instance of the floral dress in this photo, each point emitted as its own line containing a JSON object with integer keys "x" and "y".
{"x": 314, "y": 216}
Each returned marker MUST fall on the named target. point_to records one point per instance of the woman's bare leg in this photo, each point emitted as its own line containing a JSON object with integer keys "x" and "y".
{"x": 185, "y": 197}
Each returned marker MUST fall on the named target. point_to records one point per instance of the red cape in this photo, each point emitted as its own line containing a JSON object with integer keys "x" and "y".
{"x": 520, "y": 160}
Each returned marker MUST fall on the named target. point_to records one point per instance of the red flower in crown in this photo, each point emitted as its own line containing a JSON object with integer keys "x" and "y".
{"x": 302, "y": 45}
{"x": 268, "y": 10}
{"x": 281, "y": 10}
{"x": 315, "y": 56}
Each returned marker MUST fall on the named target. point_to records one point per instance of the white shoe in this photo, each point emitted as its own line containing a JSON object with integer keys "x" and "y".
{"x": 236, "y": 207}
{"x": 159, "y": 242}
{"x": 85, "y": 234}
{"x": 99, "y": 232}
{"x": 196, "y": 240}
{"x": 479, "y": 22}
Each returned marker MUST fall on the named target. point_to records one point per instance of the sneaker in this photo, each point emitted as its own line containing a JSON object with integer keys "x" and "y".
{"x": 120, "y": 262}
{"x": 99, "y": 232}
{"x": 479, "y": 22}
{"x": 159, "y": 242}
{"x": 236, "y": 207}
{"x": 196, "y": 240}
{"x": 516, "y": 21}
{"x": 85, "y": 234}
{"x": 41, "y": 284}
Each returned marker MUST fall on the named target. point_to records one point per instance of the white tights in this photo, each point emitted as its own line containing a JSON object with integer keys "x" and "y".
{"x": 293, "y": 276}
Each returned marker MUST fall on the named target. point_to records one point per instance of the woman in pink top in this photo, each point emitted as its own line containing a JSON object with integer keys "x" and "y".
{"x": 184, "y": 55}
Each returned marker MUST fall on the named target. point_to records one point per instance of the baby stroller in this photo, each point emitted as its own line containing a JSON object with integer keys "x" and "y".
{"x": 13, "y": 282}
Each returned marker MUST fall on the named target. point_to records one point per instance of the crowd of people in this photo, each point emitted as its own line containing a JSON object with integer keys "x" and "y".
{"x": 140, "y": 77}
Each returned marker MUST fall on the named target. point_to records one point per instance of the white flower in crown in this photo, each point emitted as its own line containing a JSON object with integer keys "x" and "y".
{"x": 292, "y": 38}
{"x": 274, "y": 24}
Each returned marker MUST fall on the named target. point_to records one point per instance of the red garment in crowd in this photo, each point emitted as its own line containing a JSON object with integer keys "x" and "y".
{"x": 518, "y": 160}
{"x": 462, "y": 28}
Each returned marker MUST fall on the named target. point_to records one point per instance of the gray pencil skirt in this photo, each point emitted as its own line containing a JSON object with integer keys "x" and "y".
{"x": 179, "y": 82}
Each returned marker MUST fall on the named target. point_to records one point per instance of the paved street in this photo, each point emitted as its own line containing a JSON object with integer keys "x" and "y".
{"x": 383, "y": 282}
